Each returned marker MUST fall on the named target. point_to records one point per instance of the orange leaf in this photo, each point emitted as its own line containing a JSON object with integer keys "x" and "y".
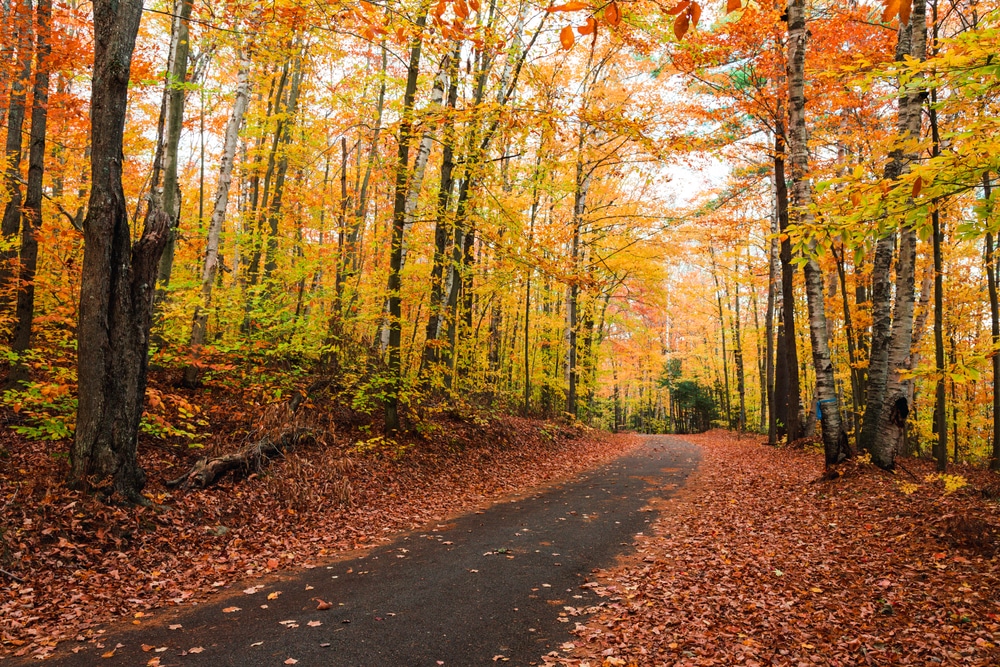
{"x": 891, "y": 9}
{"x": 917, "y": 186}
{"x": 587, "y": 28}
{"x": 676, "y": 11}
{"x": 439, "y": 9}
{"x": 369, "y": 7}
{"x": 475, "y": 5}
{"x": 569, "y": 7}
{"x": 905, "y": 7}
{"x": 461, "y": 9}
{"x": 733, "y": 5}
{"x": 323, "y": 605}
{"x": 681, "y": 26}
{"x": 612, "y": 14}
{"x": 566, "y": 37}
{"x": 855, "y": 198}
{"x": 695, "y": 13}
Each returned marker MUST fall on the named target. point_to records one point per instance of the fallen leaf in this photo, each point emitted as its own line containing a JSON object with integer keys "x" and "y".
{"x": 196, "y": 649}
{"x": 323, "y": 606}
{"x": 230, "y": 610}
{"x": 274, "y": 595}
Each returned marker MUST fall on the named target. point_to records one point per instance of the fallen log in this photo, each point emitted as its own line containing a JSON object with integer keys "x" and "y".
{"x": 283, "y": 434}
{"x": 251, "y": 458}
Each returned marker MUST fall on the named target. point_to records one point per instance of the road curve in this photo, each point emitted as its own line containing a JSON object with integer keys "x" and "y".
{"x": 483, "y": 588}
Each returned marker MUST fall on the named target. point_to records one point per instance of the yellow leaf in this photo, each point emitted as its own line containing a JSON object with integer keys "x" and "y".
{"x": 566, "y": 37}
{"x": 274, "y": 595}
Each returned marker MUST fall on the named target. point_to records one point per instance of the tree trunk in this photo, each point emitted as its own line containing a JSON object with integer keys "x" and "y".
{"x": 174, "y": 93}
{"x": 991, "y": 281}
{"x": 826, "y": 389}
{"x": 895, "y": 404}
{"x": 852, "y": 356}
{"x": 118, "y": 279}
{"x": 11, "y": 223}
{"x": 274, "y": 209}
{"x": 786, "y": 383}
{"x": 398, "y": 223}
{"x": 908, "y": 125}
{"x": 31, "y": 220}
{"x": 741, "y": 423}
{"x": 431, "y": 353}
{"x": 211, "y": 266}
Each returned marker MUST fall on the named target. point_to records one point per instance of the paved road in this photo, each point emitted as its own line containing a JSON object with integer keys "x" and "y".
{"x": 488, "y": 584}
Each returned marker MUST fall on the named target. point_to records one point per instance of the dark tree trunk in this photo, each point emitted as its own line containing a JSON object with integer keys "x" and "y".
{"x": 786, "y": 392}
{"x": 398, "y": 223}
{"x": 431, "y": 353}
{"x": 31, "y": 220}
{"x": 991, "y": 281}
{"x": 118, "y": 278}
{"x": 12, "y": 150}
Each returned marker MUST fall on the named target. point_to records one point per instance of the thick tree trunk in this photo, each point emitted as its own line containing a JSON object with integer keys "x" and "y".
{"x": 398, "y": 223}
{"x": 826, "y": 389}
{"x": 211, "y": 267}
{"x": 908, "y": 125}
{"x": 31, "y": 219}
{"x": 174, "y": 93}
{"x": 895, "y": 403}
{"x": 118, "y": 278}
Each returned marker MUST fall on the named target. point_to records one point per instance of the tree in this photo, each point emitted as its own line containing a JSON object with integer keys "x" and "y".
{"x": 118, "y": 277}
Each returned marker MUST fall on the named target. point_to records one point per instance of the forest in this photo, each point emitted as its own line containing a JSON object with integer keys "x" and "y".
{"x": 547, "y": 210}
{"x": 422, "y": 253}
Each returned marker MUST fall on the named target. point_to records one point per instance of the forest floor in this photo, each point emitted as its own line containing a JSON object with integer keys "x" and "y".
{"x": 72, "y": 563}
{"x": 759, "y": 562}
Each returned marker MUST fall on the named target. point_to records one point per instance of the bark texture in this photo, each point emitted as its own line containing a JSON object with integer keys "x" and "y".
{"x": 826, "y": 389}
{"x": 894, "y": 407}
{"x": 31, "y": 218}
{"x": 118, "y": 278}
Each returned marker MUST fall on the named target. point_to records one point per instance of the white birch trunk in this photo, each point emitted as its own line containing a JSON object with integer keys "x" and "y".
{"x": 211, "y": 267}
{"x": 826, "y": 389}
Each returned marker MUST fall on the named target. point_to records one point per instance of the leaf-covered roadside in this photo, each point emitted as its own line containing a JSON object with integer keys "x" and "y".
{"x": 759, "y": 563}
{"x": 83, "y": 563}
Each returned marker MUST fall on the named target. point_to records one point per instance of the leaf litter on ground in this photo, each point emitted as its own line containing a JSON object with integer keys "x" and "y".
{"x": 84, "y": 563}
{"x": 759, "y": 560}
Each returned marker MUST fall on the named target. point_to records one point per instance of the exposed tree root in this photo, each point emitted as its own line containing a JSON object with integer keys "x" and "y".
{"x": 282, "y": 433}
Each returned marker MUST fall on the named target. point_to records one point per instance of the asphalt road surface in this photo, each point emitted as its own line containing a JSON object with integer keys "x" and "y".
{"x": 484, "y": 589}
